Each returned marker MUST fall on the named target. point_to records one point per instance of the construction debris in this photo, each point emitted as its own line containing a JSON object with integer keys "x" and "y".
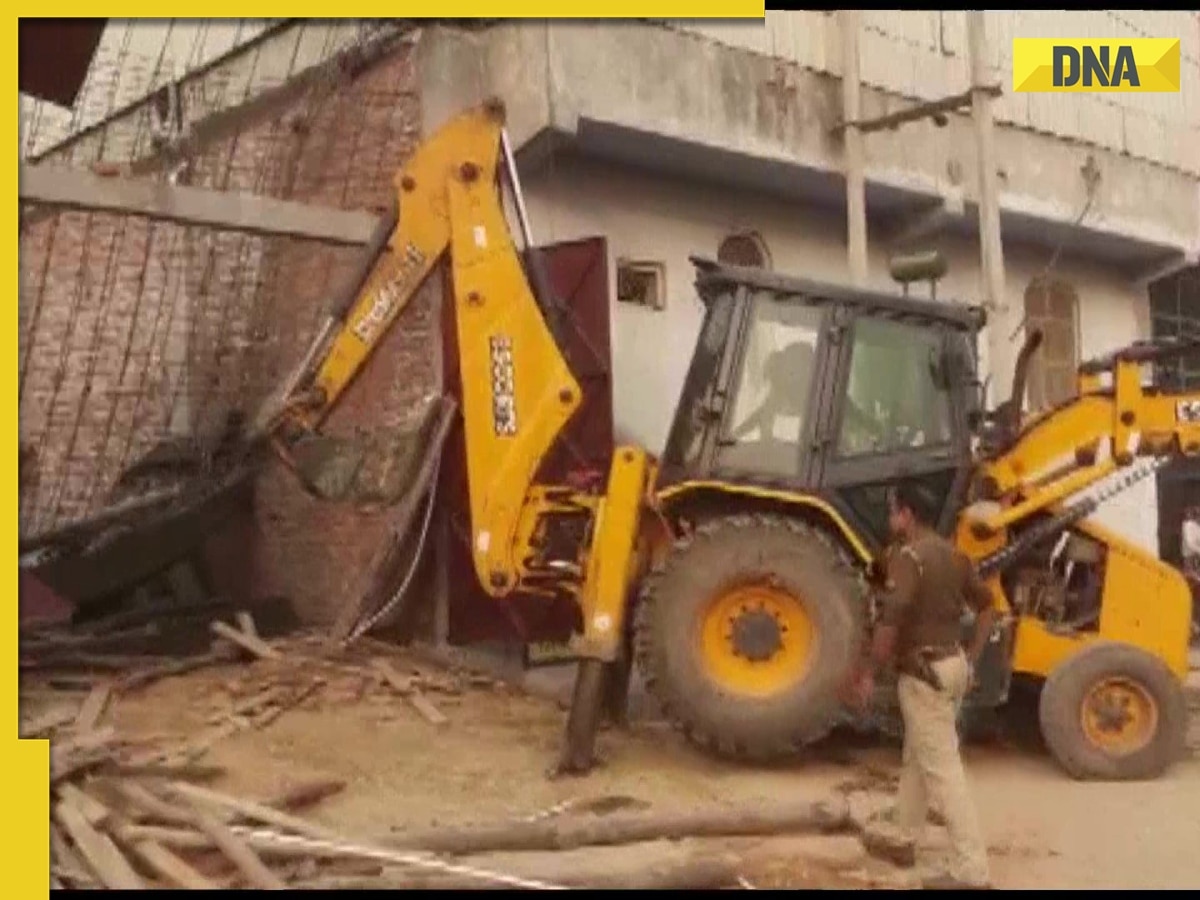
{"x": 129, "y": 812}
{"x": 142, "y": 810}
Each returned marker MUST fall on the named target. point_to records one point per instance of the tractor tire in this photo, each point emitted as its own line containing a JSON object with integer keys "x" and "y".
{"x": 734, "y": 683}
{"x": 1113, "y": 712}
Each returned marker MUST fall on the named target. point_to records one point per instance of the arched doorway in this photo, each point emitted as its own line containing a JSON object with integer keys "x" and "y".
{"x": 1052, "y": 306}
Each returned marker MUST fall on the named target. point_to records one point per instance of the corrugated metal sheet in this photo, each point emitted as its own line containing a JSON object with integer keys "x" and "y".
{"x": 923, "y": 54}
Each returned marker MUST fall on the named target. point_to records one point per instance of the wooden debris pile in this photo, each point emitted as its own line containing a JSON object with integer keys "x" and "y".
{"x": 143, "y": 831}
{"x": 128, "y": 638}
{"x": 131, "y": 811}
{"x": 267, "y": 679}
{"x": 129, "y": 827}
{"x": 124, "y": 828}
{"x": 141, "y": 810}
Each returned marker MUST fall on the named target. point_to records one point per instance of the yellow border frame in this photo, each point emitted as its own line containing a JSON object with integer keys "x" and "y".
{"x": 25, "y": 764}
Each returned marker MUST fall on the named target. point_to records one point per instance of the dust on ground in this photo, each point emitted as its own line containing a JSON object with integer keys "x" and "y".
{"x": 489, "y": 762}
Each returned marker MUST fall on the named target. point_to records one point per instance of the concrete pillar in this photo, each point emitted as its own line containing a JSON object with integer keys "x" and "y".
{"x": 990, "y": 243}
{"x": 856, "y": 195}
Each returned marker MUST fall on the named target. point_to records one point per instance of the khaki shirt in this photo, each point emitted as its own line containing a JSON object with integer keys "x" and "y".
{"x": 928, "y": 582}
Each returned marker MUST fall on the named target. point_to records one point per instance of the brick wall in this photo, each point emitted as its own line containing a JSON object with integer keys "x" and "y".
{"x": 128, "y": 327}
{"x": 316, "y": 552}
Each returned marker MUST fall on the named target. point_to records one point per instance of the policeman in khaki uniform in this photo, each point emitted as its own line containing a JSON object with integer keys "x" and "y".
{"x": 927, "y": 583}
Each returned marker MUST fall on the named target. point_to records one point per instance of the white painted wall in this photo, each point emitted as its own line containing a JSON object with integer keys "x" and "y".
{"x": 650, "y": 217}
{"x": 923, "y": 54}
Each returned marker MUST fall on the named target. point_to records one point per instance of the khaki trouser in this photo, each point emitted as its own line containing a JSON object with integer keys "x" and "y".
{"x": 933, "y": 768}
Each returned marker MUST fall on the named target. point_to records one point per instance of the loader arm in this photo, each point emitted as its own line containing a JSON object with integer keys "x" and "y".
{"x": 412, "y": 238}
{"x": 1058, "y": 454}
{"x": 518, "y": 390}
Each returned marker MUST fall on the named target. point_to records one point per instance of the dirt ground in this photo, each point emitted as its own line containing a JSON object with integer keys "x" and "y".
{"x": 488, "y": 763}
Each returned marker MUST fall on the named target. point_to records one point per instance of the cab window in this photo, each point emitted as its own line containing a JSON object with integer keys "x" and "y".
{"x": 769, "y": 405}
{"x": 893, "y": 399}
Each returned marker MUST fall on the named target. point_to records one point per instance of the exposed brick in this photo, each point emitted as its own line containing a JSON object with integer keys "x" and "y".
{"x": 115, "y": 311}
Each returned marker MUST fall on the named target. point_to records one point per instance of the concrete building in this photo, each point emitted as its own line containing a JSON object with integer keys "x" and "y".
{"x": 676, "y": 138}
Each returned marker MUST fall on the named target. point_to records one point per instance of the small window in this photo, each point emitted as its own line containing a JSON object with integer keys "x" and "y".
{"x": 770, "y": 400}
{"x": 641, "y": 283}
{"x": 893, "y": 402}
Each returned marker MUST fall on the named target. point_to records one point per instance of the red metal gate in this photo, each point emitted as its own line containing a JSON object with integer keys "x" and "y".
{"x": 578, "y": 272}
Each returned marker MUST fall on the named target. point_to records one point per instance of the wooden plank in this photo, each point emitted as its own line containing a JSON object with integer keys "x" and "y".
{"x": 239, "y": 854}
{"x": 246, "y": 623}
{"x": 85, "y": 750}
{"x": 190, "y": 839}
{"x": 245, "y": 641}
{"x": 94, "y": 812}
{"x": 407, "y": 689}
{"x": 98, "y": 850}
{"x": 171, "y": 867}
{"x": 65, "y": 861}
{"x": 67, "y": 188}
{"x": 148, "y": 805}
{"x": 93, "y": 707}
{"x": 253, "y": 811}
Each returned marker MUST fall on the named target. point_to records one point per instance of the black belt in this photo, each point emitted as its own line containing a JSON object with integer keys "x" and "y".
{"x": 920, "y": 664}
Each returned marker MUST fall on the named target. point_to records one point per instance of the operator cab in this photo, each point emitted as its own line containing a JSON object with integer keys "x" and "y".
{"x": 807, "y": 388}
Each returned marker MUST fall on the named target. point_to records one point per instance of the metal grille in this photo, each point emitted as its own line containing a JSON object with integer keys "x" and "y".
{"x": 133, "y": 330}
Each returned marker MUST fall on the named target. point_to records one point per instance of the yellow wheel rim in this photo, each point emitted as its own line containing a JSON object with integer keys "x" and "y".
{"x": 756, "y": 640}
{"x": 1119, "y": 716}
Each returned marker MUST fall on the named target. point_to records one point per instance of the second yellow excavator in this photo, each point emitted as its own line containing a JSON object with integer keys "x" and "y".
{"x": 732, "y": 568}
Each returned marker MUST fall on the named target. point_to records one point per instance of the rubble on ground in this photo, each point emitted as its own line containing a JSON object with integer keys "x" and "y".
{"x": 141, "y": 811}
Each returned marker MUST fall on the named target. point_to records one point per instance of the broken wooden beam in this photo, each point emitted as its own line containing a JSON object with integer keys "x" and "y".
{"x": 826, "y": 816}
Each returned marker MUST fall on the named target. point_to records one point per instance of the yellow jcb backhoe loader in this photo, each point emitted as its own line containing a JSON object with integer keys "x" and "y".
{"x": 734, "y": 567}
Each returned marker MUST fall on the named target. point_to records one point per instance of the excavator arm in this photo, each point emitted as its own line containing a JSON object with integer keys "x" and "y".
{"x": 1113, "y": 420}
{"x": 1044, "y": 476}
{"x": 518, "y": 390}
{"x": 412, "y": 238}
